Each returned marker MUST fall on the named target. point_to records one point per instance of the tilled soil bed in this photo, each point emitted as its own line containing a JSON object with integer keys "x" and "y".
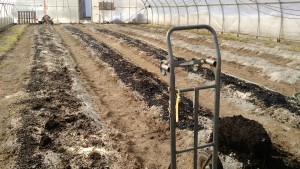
{"x": 131, "y": 75}
{"x": 60, "y": 126}
{"x": 88, "y": 104}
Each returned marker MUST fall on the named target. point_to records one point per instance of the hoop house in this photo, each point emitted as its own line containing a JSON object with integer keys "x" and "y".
{"x": 262, "y": 18}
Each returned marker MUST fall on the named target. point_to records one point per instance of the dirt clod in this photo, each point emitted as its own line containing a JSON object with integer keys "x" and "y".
{"x": 52, "y": 124}
{"x": 95, "y": 156}
{"x": 247, "y": 138}
{"x": 45, "y": 140}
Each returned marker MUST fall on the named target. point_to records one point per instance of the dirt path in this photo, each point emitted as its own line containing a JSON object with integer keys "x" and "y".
{"x": 148, "y": 134}
{"x": 14, "y": 73}
{"x": 135, "y": 120}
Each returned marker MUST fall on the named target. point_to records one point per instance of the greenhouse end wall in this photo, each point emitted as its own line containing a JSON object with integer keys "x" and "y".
{"x": 261, "y": 18}
{"x": 62, "y": 11}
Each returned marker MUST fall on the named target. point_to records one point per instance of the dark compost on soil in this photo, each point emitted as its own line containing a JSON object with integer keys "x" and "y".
{"x": 51, "y": 109}
{"x": 146, "y": 84}
{"x": 155, "y": 92}
{"x": 268, "y": 97}
{"x": 249, "y": 138}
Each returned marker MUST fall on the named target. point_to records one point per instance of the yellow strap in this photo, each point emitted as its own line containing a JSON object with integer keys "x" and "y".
{"x": 177, "y": 104}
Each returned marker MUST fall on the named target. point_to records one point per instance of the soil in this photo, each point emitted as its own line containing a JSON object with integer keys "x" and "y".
{"x": 89, "y": 97}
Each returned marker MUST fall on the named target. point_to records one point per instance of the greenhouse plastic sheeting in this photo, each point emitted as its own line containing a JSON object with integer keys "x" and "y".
{"x": 6, "y": 13}
{"x": 269, "y": 18}
{"x": 62, "y": 11}
{"x": 262, "y": 18}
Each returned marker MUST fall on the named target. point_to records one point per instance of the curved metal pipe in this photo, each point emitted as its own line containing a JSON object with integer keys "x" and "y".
{"x": 208, "y": 9}
{"x": 187, "y": 12}
{"x": 281, "y": 22}
{"x": 170, "y": 11}
{"x": 239, "y": 17}
{"x": 151, "y": 10}
{"x": 163, "y": 11}
{"x": 146, "y": 8}
{"x": 258, "y": 20}
{"x": 156, "y": 11}
{"x": 197, "y": 12}
{"x": 223, "y": 18}
{"x": 177, "y": 12}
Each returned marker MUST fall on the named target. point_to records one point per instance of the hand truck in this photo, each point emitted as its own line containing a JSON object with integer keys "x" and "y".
{"x": 168, "y": 66}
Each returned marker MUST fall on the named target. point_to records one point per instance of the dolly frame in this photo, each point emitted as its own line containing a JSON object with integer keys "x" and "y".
{"x": 171, "y": 65}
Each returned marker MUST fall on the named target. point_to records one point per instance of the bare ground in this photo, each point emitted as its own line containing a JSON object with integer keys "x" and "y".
{"x": 14, "y": 73}
{"x": 75, "y": 111}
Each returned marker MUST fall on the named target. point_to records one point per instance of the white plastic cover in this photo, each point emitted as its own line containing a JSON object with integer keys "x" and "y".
{"x": 6, "y": 13}
{"x": 62, "y": 11}
{"x": 262, "y": 18}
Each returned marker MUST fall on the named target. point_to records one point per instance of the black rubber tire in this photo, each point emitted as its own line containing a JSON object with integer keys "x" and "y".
{"x": 203, "y": 158}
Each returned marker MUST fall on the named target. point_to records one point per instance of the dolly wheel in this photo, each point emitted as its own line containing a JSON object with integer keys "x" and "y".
{"x": 205, "y": 161}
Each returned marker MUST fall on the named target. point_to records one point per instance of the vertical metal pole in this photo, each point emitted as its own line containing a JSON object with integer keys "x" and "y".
{"x": 12, "y": 15}
{"x": 163, "y": 11}
{"x": 156, "y": 11}
{"x": 258, "y": 20}
{"x": 34, "y": 11}
{"x": 281, "y": 22}
{"x": 5, "y": 16}
{"x": 196, "y": 108}
{"x": 4, "y": 20}
{"x": 4, "y": 12}
{"x": 91, "y": 7}
{"x": 170, "y": 12}
{"x": 1, "y": 26}
{"x": 197, "y": 12}
{"x": 187, "y": 13}
{"x": 239, "y": 17}
{"x": 146, "y": 9}
{"x": 208, "y": 9}
{"x": 152, "y": 15}
{"x": 177, "y": 12}
{"x": 136, "y": 7}
{"x": 223, "y": 18}
{"x": 172, "y": 103}
{"x": 27, "y": 17}
{"x": 217, "y": 102}
{"x": 121, "y": 11}
{"x": 1, "y": 23}
{"x": 152, "y": 12}
{"x": 9, "y": 12}
{"x": 56, "y": 12}
{"x": 129, "y": 10}
{"x": 112, "y": 8}
{"x": 70, "y": 10}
